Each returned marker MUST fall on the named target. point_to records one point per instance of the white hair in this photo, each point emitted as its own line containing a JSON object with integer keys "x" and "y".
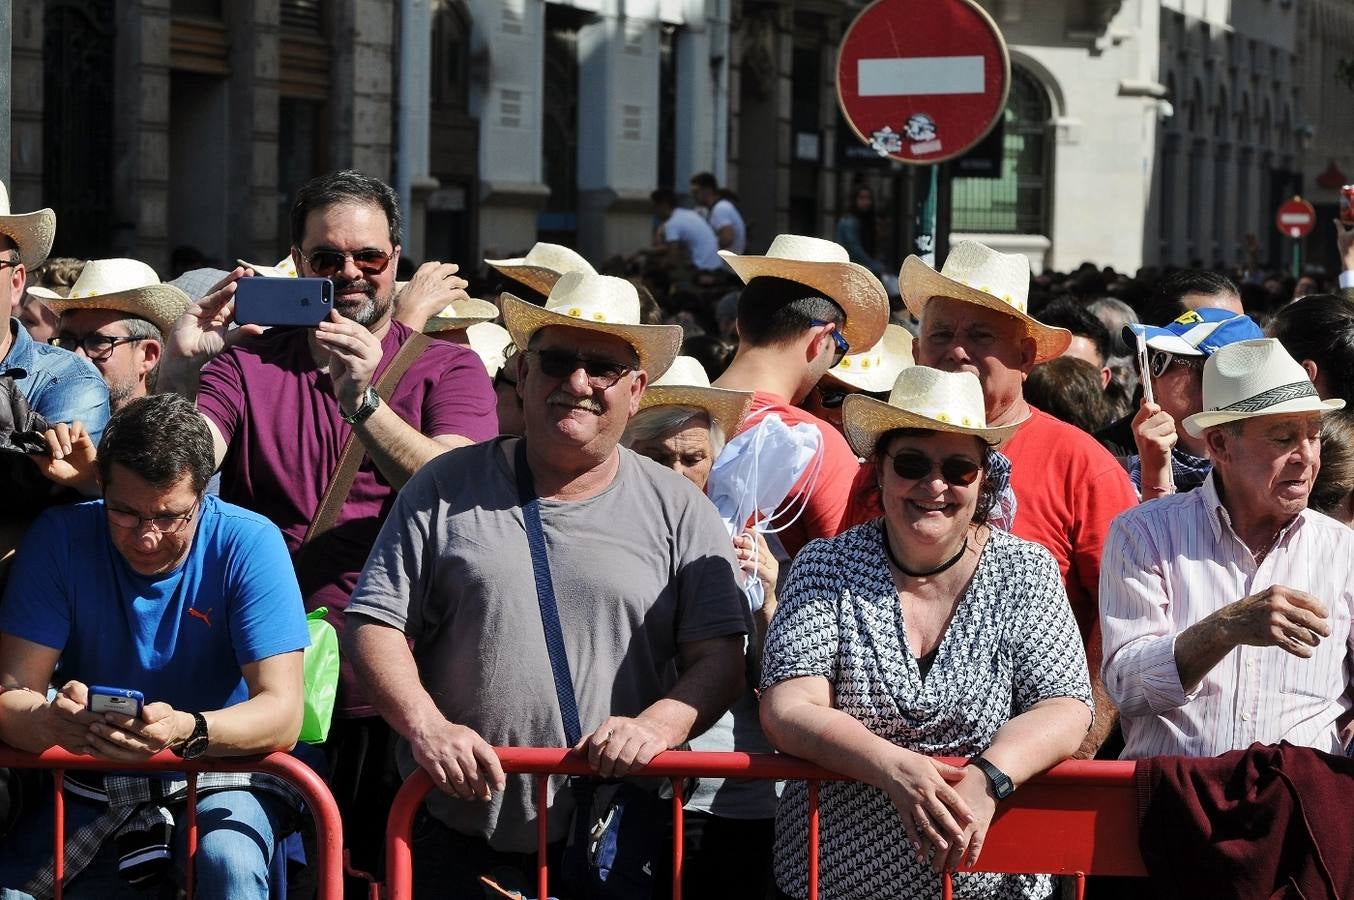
{"x": 650, "y": 423}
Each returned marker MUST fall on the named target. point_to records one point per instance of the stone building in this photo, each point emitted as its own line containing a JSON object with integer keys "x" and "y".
{"x": 1137, "y": 132}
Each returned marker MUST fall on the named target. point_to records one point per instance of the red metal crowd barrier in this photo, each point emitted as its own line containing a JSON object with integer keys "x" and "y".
{"x": 1078, "y": 819}
{"x": 329, "y": 828}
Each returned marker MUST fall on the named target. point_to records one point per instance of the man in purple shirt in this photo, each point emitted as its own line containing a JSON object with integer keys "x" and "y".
{"x": 280, "y": 405}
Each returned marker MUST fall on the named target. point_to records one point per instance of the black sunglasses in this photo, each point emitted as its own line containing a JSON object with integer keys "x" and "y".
{"x": 833, "y": 398}
{"x": 843, "y": 347}
{"x": 915, "y": 466}
{"x": 602, "y": 373}
{"x": 328, "y": 263}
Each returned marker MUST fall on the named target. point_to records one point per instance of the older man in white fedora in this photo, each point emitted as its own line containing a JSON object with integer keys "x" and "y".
{"x": 1067, "y": 487}
{"x": 58, "y": 385}
{"x": 623, "y": 563}
{"x": 804, "y": 307}
{"x": 116, "y": 315}
{"x": 1226, "y": 610}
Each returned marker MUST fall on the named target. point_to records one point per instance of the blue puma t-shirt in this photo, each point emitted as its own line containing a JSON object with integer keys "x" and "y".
{"x": 180, "y": 637}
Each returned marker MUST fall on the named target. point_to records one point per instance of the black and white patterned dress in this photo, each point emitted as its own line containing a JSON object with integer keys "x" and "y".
{"x": 1011, "y": 643}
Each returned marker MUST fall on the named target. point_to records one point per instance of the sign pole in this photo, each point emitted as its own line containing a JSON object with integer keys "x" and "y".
{"x": 1297, "y": 257}
{"x": 924, "y": 244}
{"x": 944, "y": 186}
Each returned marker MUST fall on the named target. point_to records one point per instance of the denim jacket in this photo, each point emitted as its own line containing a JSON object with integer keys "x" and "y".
{"x": 59, "y": 386}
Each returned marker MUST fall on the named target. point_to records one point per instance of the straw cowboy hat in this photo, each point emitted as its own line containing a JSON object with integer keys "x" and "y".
{"x": 491, "y": 343}
{"x": 31, "y": 232}
{"x": 595, "y": 303}
{"x": 1255, "y": 378}
{"x": 125, "y": 285}
{"x": 542, "y": 266}
{"x": 826, "y": 267}
{"x": 461, "y": 314}
{"x": 975, "y": 273}
{"x": 686, "y": 383}
{"x": 875, "y": 370}
{"x": 922, "y": 398}
{"x": 285, "y": 268}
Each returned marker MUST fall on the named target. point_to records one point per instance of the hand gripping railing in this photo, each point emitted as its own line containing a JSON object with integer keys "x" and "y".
{"x": 329, "y": 829}
{"x": 1077, "y": 819}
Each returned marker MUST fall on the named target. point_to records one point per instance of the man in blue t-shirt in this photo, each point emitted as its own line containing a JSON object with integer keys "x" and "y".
{"x": 161, "y": 589}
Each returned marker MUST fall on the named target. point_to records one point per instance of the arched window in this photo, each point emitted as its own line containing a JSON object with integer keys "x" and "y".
{"x": 1018, "y": 201}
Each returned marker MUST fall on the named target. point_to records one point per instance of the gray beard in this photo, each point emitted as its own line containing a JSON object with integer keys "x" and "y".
{"x": 371, "y": 310}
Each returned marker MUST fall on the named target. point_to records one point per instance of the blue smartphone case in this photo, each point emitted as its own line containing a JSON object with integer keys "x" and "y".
{"x": 304, "y": 302}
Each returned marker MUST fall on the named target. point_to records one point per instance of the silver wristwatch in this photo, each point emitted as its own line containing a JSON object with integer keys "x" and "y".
{"x": 370, "y": 400}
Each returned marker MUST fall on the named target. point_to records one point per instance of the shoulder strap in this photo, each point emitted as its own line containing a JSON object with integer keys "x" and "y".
{"x": 545, "y": 596}
{"x": 341, "y": 484}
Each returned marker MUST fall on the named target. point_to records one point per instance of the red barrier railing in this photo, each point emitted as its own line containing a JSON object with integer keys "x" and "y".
{"x": 1080, "y": 818}
{"x": 329, "y": 829}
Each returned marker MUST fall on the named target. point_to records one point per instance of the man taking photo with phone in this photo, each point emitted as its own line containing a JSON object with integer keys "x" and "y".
{"x": 161, "y": 589}
{"x": 284, "y": 406}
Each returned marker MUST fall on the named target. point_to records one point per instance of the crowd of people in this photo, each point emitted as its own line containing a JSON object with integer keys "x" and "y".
{"x": 697, "y": 499}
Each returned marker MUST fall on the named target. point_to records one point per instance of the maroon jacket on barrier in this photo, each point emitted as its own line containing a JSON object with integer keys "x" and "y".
{"x": 1265, "y": 822}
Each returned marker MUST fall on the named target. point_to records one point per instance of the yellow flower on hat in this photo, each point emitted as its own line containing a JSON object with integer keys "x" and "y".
{"x": 575, "y": 312}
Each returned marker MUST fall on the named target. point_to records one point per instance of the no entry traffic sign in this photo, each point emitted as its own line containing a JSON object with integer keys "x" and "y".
{"x": 1296, "y": 218}
{"x": 922, "y": 81}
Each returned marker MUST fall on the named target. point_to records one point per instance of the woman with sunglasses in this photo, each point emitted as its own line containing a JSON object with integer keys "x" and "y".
{"x": 924, "y": 633}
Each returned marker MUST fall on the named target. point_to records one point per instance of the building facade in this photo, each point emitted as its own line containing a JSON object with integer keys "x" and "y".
{"x": 1137, "y": 132}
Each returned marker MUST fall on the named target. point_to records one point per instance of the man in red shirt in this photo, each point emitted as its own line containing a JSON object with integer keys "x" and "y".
{"x": 805, "y": 305}
{"x": 1068, "y": 488}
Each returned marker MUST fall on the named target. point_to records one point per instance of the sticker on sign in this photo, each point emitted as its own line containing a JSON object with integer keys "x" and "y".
{"x": 920, "y": 75}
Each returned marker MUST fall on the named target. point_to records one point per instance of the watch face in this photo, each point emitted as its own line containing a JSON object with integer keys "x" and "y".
{"x": 195, "y": 747}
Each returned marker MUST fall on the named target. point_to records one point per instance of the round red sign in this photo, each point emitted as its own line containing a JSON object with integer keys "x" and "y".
{"x": 1296, "y": 218}
{"x": 922, "y": 81}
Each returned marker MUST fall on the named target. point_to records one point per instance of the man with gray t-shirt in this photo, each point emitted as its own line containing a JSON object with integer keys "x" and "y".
{"x": 643, "y": 575}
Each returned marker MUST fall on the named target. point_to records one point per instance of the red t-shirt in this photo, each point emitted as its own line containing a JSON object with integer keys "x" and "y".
{"x": 284, "y": 435}
{"x": 830, "y": 493}
{"x": 1069, "y": 489}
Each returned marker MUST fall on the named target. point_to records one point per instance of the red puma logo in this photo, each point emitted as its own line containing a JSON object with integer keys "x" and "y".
{"x": 199, "y": 614}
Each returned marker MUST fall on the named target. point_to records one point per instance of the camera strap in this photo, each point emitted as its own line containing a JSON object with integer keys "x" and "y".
{"x": 350, "y": 459}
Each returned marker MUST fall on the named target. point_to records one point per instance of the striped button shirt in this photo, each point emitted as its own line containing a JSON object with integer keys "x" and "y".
{"x": 1171, "y": 562}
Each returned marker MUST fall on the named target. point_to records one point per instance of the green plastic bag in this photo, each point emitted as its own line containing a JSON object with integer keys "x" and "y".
{"x": 321, "y": 672}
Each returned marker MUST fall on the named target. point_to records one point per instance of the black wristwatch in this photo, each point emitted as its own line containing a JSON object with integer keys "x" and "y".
{"x": 197, "y": 742}
{"x": 370, "y": 400}
{"x": 1000, "y": 781}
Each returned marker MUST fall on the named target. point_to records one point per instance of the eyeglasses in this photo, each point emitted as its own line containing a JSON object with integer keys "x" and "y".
{"x": 158, "y": 524}
{"x": 843, "y": 347}
{"x": 833, "y": 398}
{"x": 915, "y": 466}
{"x": 10, "y": 263}
{"x": 328, "y": 263}
{"x": 97, "y": 347}
{"x": 602, "y": 373}
{"x": 1161, "y": 360}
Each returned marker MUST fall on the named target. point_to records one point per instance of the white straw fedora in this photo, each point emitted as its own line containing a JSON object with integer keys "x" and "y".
{"x": 595, "y": 303}
{"x": 826, "y": 267}
{"x": 285, "y": 268}
{"x": 1255, "y": 378}
{"x": 31, "y": 232}
{"x": 875, "y": 370}
{"x": 491, "y": 343}
{"x": 542, "y": 266}
{"x": 975, "y": 273}
{"x": 686, "y": 383}
{"x": 125, "y": 285}
{"x": 922, "y": 398}
{"x": 461, "y": 314}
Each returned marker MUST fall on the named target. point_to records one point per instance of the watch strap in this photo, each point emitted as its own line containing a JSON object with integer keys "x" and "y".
{"x": 196, "y": 744}
{"x": 370, "y": 401}
{"x": 1001, "y": 783}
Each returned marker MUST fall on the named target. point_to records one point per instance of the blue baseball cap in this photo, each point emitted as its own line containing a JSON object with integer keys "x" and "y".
{"x": 1196, "y": 333}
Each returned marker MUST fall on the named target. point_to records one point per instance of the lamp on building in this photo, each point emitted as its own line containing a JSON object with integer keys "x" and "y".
{"x": 1305, "y": 132}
